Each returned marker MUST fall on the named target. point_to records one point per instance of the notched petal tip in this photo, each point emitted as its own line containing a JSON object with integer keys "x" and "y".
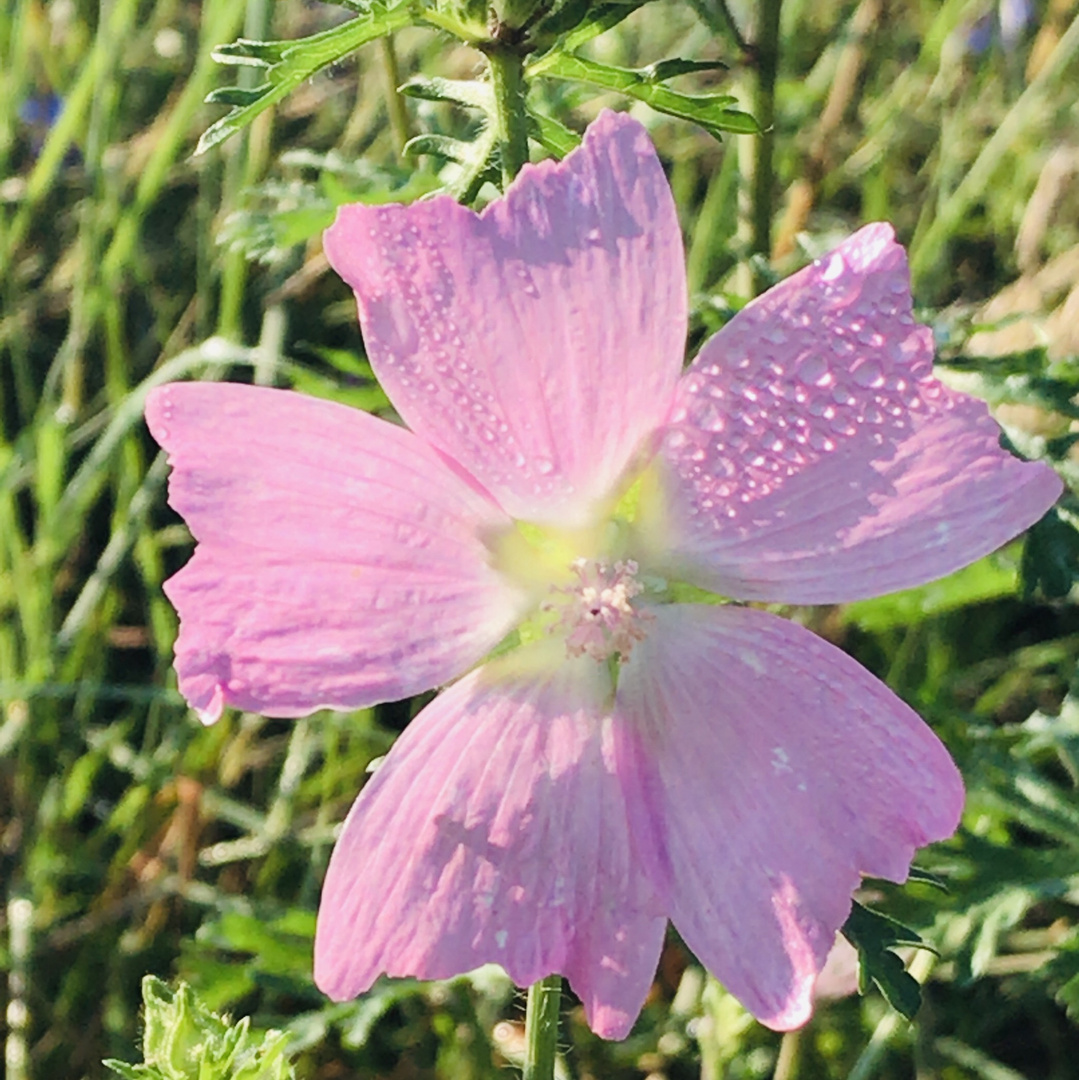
{"x": 537, "y": 344}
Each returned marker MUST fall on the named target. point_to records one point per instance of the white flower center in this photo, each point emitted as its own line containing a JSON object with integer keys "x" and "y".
{"x": 596, "y": 616}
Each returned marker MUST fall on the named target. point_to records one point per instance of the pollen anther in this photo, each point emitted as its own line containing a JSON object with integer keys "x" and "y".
{"x": 597, "y": 616}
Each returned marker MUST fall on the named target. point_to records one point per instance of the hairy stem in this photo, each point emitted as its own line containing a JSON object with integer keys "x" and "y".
{"x": 541, "y": 1028}
{"x": 510, "y": 118}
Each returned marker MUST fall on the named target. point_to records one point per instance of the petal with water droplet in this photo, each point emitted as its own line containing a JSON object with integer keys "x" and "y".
{"x": 898, "y": 480}
{"x": 567, "y": 301}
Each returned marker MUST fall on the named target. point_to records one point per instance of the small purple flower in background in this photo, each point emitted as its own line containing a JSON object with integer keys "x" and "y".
{"x": 1011, "y": 18}
{"x": 637, "y": 756}
{"x": 39, "y": 113}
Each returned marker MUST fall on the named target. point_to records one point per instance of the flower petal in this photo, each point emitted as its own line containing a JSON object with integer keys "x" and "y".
{"x": 783, "y": 771}
{"x": 340, "y": 561}
{"x": 812, "y": 456}
{"x": 496, "y": 830}
{"x": 540, "y": 342}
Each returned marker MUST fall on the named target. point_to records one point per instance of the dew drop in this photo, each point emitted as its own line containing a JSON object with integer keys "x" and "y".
{"x": 814, "y": 370}
{"x": 709, "y": 417}
{"x": 833, "y": 268}
{"x": 869, "y": 374}
{"x": 544, "y": 466}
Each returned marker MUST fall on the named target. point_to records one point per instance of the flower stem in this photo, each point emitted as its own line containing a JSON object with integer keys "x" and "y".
{"x": 766, "y": 48}
{"x": 541, "y": 1028}
{"x": 510, "y": 118}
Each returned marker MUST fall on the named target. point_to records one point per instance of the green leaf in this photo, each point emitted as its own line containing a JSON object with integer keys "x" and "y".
{"x": 713, "y": 112}
{"x": 129, "y": 1072}
{"x": 289, "y": 63}
{"x": 874, "y": 936}
{"x": 1050, "y": 563}
{"x": 582, "y": 20}
{"x": 988, "y": 579}
{"x": 442, "y": 145}
{"x": 669, "y": 69}
{"x": 924, "y": 877}
{"x": 247, "y": 53}
{"x": 238, "y": 96}
{"x": 555, "y": 138}
{"x": 1063, "y": 972}
{"x": 468, "y": 93}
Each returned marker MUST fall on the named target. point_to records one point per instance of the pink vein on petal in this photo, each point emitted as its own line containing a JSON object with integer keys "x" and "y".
{"x": 496, "y": 831}
{"x": 340, "y": 561}
{"x": 784, "y": 771}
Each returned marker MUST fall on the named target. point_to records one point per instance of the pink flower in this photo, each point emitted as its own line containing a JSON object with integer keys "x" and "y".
{"x": 642, "y": 754}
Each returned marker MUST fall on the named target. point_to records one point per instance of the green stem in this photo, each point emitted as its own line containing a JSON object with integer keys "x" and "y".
{"x": 241, "y": 171}
{"x": 728, "y": 21}
{"x": 767, "y": 53}
{"x": 510, "y": 118}
{"x": 541, "y": 1028}
{"x": 395, "y": 102}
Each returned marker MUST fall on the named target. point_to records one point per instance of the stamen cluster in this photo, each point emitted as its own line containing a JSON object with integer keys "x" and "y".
{"x": 598, "y": 619}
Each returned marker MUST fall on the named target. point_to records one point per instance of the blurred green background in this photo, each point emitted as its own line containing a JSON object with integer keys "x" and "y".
{"x": 132, "y": 840}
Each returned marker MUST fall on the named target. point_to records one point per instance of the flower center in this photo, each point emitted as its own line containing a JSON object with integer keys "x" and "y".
{"x": 596, "y": 614}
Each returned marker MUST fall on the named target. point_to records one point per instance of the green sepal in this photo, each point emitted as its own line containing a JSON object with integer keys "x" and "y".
{"x": 713, "y": 112}
{"x": 184, "y": 1040}
{"x": 290, "y": 63}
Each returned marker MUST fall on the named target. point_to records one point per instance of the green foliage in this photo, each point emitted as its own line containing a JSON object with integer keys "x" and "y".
{"x": 558, "y": 31}
{"x": 875, "y": 935}
{"x": 713, "y": 112}
{"x": 183, "y": 1040}
{"x": 286, "y": 64}
{"x": 1051, "y": 556}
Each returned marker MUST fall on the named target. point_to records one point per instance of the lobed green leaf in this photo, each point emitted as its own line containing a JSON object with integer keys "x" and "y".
{"x": 874, "y": 936}
{"x": 290, "y": 63}
{"x": 713, "y": 112}
{"x": 468, "y": 93}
